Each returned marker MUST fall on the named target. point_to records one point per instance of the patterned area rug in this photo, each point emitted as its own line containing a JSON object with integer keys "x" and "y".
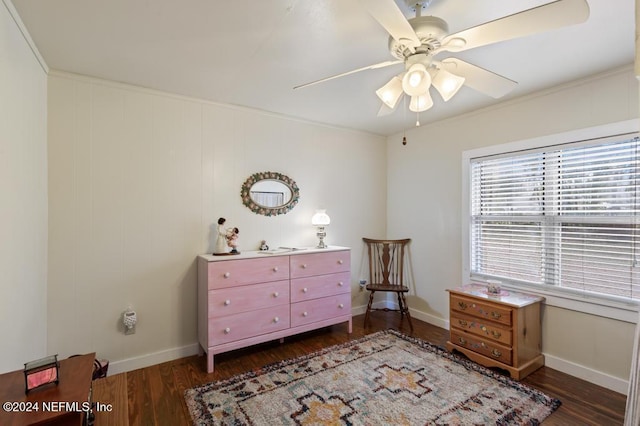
{"x": 383, "y": 378}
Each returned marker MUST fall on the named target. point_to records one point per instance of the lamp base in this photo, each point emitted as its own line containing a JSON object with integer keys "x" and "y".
{"x": 321, "y": 234}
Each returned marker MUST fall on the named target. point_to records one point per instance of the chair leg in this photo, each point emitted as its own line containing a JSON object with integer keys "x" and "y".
{"x": 366, "y": 315}
{"x": 404, "y": 308}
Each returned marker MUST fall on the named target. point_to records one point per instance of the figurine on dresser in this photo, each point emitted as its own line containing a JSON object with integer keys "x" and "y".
{"x": 232, "y": 240}
{"x": 221, "y": 242}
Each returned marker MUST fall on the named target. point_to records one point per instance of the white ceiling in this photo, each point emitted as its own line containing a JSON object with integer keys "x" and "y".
{"x": 253, "y": 53}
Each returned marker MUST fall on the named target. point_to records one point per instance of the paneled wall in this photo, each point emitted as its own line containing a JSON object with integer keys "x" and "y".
{"x": 575, "y": 342}
{"x": 137, "y": 182}
{"x": 23, "y": 193}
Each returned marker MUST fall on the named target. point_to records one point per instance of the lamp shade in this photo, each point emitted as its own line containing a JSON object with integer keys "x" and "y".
{"x": 320, "y": 218}
{"x": 421, "y": 102}
{"x": 417, "y": 80}
{"x": 391, "y": 92}
{"x": 447, "y": 84}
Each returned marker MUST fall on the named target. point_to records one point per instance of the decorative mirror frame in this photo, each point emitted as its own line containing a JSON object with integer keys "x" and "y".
{"x": 245, "y": 193}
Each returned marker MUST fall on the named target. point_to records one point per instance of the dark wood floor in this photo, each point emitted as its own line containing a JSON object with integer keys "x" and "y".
{"x": 155, "y": 394}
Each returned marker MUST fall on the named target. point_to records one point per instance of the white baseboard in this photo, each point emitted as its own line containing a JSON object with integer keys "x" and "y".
{"x": 585, "y": 373}
{"x": 154, "y": 358}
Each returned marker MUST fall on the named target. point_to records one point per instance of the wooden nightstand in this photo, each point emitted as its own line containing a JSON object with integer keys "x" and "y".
{"x": 54, "y": 405}
{"x": 496, "y": 330}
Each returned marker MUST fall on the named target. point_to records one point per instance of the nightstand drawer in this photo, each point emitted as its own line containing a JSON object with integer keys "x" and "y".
{"x": 234, "y": 300}
{"x": 488, "y": 311}
{"x": 482, "y": 346}
{"x": 482, "y": 328}
{"x": 320, "y": 309}
{"x": 320, "y": 286}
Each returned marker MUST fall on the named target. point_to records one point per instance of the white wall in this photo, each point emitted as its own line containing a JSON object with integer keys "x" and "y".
{"x": 594, "y": 347}
{"x": 137, "y": 181}
{"x": 23, "y": 192}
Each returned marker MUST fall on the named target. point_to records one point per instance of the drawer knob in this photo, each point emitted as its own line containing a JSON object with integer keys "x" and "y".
{"x": 462, "y": 341}
{"x": 227, "y": 330}
{"x": 304, "y": 290}
{"x": 340, "y": 284}
{"x": 496, "y": 334}
{"x": 340, "y": 262}
{"x": 227, "y": 274}
{"x": 276, "y": 319}
{"x": 496, "y": 353}
{"x": 275, "y": 269}
{"x": 276, "y": 294}
{"x": 341, "y": 306}
{"x": 304, "y": 266}
{"x": 305, "y": 314}
{"x": 227, "y": 302}
{"x": 462, "y": 305}
{"x": 462, "y": 323}
{"x": 496, "y": 315}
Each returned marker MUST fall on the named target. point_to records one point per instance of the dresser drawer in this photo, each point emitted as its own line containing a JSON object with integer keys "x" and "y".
{"x": 482, "y": 346}
{"x": 230, "y": 273}
{"x": 320, "y": 309}
{"x": 307, "y": 265}
{"x": 233, "y": 300}
{"x": 482, "y": 328}
{"x": 500, "y": 314}
{"x": 248, "y": 324}
{"x": 320, "y": 286}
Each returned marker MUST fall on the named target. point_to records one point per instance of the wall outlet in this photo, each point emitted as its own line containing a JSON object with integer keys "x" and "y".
{"x": 362, "y": 283}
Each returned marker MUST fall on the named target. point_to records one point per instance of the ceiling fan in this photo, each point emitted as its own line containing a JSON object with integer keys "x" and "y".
{"x": 416, "y": 42}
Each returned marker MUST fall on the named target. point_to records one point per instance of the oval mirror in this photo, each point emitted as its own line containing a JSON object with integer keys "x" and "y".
{"x": 269, "y": 193}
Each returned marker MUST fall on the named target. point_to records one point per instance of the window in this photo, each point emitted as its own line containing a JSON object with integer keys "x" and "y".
{"x": 563, "y": 217}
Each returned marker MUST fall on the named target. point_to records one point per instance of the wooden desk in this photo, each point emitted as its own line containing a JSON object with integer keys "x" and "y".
{"x": 62, "y": 404}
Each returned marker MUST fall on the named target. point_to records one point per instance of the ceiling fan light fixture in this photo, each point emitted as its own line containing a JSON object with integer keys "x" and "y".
{"x": 421, "y": 102}
{"x": 447, "y": 84}
{"x": 390, "y": 93}
{"x": 417, "y": 80}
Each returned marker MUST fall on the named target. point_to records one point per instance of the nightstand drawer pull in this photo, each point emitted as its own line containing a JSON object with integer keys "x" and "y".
{"x": 462, "y": 341}
{"x": 462, "y": 305}
{"x": 496, "y": 334}
{"x": 275, "y": 269}
{"x": 340, "y": 262}
{"x": 276, "y": 294}
{"x": 341, "y": 306}
{"x": 496, "y": 315}
{"x": 227, "y": 274}
{"x": 276, "y": 319}
{"x": 496, "y": 353}
{"x": 462, "y": 323}
{"x": 227, "y": 302}
{"x": 227, "y": 330}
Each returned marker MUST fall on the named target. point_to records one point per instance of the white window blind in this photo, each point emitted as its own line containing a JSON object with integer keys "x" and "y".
{"x": 566, "y": 216}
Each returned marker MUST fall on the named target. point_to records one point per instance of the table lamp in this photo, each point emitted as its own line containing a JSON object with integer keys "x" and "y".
{"x": 321, "y": 219}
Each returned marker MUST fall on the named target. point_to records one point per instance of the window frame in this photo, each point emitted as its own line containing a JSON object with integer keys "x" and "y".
{"x": 555, "y": 296}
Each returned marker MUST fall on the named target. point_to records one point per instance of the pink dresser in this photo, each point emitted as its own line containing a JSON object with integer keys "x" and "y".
{"x": 255, "y": 297}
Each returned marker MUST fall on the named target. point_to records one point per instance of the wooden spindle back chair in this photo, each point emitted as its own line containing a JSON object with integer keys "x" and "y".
{"x": 387, "y": 273}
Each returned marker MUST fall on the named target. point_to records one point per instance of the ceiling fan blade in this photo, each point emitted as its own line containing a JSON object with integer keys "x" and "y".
{"x": 479, "y": 79}
{"x": 387, "y": 13}
{"x": 370, "y": 67}
{"x": 547, "y": 17}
